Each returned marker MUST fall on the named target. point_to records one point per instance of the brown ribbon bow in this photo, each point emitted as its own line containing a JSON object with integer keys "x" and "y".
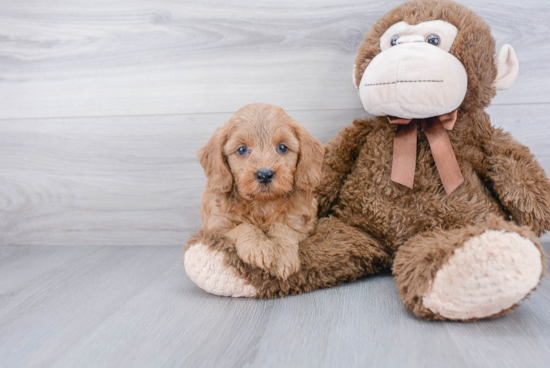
{"x": 404, "y": 150}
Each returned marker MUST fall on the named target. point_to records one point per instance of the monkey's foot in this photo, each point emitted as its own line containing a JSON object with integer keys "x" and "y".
{"x": 205, "y": 266}
{"x": 486, "y": 277}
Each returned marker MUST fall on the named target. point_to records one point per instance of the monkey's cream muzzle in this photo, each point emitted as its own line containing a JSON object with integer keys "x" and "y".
{"x": 413, "y": 80}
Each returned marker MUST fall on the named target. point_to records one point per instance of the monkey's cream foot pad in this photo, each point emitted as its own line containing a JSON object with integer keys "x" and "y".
{"x": 206, "y": 268}
{"x": 489, "y": 274}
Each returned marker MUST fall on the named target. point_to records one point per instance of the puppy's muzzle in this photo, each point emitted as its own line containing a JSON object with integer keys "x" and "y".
{"x": 265, "y": 176}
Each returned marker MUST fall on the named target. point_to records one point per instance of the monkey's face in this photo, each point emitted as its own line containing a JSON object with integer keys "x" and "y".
{"x": 429, "y": 57}
{"x": 415, "y": 75}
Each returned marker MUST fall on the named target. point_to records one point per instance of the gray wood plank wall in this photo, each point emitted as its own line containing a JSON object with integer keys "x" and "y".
{"x": 104, "y": 104}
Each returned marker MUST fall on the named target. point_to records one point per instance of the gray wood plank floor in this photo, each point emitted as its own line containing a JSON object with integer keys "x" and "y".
{"x": 134, "y": 307}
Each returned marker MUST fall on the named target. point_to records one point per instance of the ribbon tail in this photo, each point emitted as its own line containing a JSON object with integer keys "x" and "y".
{"x": 443, "y": 154}
{"x": 404, "y": 154}
{"x": 449, "y": 120}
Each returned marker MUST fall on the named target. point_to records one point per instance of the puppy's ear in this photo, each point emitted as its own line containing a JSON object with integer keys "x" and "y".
{"x": 310, "y": 159}
{"x": 214, "y": 163}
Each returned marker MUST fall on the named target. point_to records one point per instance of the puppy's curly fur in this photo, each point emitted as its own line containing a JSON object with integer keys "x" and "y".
{"x": 265, "y": 221}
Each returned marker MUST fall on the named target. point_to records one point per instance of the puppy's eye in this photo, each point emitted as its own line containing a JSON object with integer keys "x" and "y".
{"x": 242, "y": 150}
{"x": 282, "y": 148}
{"x": 433, "y": 39}
{"x": 394, "y": 40}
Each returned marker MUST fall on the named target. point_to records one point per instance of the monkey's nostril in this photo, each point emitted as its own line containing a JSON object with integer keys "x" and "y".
{"x": 265, "y": 176}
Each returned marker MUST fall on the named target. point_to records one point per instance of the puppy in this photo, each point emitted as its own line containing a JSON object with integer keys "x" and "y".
{"x": 262, "y": 168}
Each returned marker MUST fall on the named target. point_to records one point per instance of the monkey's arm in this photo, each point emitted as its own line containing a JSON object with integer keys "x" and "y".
{"x": 340, "y": 155}
{"x": 519, "y": 181}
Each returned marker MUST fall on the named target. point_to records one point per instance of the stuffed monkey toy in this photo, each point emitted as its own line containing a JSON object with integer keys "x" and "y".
{"x": 428, "y": 188}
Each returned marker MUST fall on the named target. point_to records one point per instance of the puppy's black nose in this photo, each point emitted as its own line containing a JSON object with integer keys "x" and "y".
{"x": 265, "y": 176}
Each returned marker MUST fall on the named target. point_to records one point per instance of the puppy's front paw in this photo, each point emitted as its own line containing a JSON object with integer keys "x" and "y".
{"x": 286, "y": 241}
{"x": 280, "y": 261}
{"x": 260, "y": 254}
{"x": 287, "y": 264}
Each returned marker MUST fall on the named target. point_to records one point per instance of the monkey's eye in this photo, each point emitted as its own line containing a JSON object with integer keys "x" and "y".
{"x": 394, "y": 40}
{"x": 433, "y": 39}
{"x": 282, "y": 148}
{"x": 242, "y": 150}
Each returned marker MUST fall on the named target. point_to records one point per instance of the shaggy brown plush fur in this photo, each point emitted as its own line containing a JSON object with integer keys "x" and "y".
{"x": 372, "y": 222}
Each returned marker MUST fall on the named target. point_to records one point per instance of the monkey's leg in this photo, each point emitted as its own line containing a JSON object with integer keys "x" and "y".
{"x": 335, "y": 253}
{"x": 469, "y": 273}
{"x": 206, "y": 265}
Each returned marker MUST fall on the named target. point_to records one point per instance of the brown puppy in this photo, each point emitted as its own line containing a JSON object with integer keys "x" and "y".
{"x": 262, "y": 167}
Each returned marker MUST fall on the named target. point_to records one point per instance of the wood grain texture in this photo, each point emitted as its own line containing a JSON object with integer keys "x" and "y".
{"x": 136, "y": 180}
{"x": 135, "y": 307}
{"x": 71, "y": 58}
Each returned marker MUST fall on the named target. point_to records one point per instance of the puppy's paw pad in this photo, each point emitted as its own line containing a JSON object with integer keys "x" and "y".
{"x": 489, "y": 274}
{"x": 206, "y": 268}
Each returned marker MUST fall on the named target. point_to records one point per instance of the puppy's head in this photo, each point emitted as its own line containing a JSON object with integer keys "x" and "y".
{"x": 263, "y": 154}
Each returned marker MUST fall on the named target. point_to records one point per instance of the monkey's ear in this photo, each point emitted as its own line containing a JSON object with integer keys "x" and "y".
{"x": 310, "y": 160}
{"x": 508, "y": 67}
{"x": 214, "y": 163}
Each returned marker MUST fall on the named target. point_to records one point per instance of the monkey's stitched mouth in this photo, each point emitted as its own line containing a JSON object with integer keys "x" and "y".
{"x": 405, "y": 81}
